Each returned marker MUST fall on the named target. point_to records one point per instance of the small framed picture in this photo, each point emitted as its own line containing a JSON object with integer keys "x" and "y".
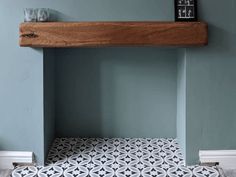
{"x": 185, "y": 10}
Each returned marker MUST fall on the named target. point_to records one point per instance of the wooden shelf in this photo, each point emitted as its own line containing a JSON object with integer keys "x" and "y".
{"x": 101, "y": 34}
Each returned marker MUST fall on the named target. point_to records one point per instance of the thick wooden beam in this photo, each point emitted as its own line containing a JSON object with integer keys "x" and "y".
{"x": 102, "y": 34}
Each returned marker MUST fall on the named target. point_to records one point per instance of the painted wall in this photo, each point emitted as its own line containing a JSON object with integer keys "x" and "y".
{"x": 116, "y": 92}
{"x": 181, "y": 100}
{"x": 113, "y": 10}
{"x": 49, "y": 98}
{"x": 211, "y": 82}
{"x": 21, "y": 86}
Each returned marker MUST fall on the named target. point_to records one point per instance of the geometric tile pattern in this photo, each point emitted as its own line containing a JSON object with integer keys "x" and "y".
{"x": 115, "y": 157}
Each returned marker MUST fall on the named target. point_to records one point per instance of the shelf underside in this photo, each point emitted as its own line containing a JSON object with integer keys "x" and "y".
{"x": 103, "y": 34}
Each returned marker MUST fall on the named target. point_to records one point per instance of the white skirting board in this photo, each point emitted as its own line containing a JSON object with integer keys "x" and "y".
{"x": 7, "y": 158}
{"x": 225, "y": 158}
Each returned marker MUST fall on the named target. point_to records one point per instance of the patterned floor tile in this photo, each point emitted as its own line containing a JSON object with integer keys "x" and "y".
{"x": 25, "y": 172}
{"x": 115, "y": 157}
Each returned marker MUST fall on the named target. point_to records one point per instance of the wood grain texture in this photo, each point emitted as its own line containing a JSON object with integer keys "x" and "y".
{"x": 102, "y": 34}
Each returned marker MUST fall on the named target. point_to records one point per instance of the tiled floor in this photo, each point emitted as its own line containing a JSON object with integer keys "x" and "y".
{"x": 95, "y": 157}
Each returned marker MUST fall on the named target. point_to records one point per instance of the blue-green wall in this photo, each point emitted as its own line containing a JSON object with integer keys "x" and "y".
{"x": 116, "y": 92}
{"x": 211, "y": 82}
{"x": 49, "y": 99}
{"x": 181, "y": 100}
{"x": 21, "y": 85}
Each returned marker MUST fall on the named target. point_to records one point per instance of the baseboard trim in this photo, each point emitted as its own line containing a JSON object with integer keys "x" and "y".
{"x": 225, "y": 158}
{"x": 7, "y": 158}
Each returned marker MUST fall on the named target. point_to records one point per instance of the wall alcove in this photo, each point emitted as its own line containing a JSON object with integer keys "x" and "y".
{"x": 111, "y": 92}
{"x": 135, "y": 92}
{"x": 115, "y": 92}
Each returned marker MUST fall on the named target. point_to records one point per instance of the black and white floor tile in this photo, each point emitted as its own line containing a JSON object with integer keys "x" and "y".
{"x": 116, "y": 157}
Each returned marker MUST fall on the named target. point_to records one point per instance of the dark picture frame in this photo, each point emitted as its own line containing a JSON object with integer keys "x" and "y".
{"x": 186, "y": 10}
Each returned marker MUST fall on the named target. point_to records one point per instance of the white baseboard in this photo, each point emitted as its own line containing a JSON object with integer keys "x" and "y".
{"x": 225, "y": 158}
{"x": 7, "y": 158}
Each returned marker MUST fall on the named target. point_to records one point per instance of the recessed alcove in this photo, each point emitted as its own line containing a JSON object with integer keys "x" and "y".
{"x": 114, "y": 92}
{"x": 118, "y": 92}
{"x": 110, "y": 92}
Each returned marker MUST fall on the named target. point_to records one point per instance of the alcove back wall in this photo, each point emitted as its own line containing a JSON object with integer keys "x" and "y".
{"x": 116, "y": 92}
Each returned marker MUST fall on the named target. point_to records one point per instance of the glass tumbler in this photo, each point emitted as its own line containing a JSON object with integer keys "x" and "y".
{"x": 43, "y": 15}
{"x": 30, "y": 15}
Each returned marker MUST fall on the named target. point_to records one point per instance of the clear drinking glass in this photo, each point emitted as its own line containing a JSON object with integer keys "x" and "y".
{"x": 30, "y": 15}
{"x": 43, "y": 15}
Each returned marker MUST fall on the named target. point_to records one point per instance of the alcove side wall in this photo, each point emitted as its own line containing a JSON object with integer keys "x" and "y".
{"x": 49, "y": 99}
{"x": 181, "y": 100}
